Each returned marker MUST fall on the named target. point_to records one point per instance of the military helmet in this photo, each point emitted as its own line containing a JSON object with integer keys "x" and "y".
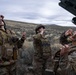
{"x": 3, "y": 21}
{"x": 2, "y": 16}
{"x": 38, "y": 27}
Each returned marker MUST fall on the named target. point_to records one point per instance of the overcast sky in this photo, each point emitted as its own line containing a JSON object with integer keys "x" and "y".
{"x": 36, "y": 11}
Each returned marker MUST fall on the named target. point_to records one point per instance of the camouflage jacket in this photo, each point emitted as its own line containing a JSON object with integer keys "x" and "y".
{"x": 63, "y": 62}
{"x": 41, "y": 46}
{"x": 8, "y": 42}
{"x": 72, "y": 59}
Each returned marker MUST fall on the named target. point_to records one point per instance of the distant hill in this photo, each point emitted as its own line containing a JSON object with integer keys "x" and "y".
{"x": 24, "y": 26}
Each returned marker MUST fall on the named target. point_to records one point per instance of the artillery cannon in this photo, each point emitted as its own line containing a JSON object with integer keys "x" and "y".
{"x": 69, "y": 5}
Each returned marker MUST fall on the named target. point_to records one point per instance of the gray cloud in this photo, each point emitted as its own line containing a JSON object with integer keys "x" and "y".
{"x": 35, "y": 11}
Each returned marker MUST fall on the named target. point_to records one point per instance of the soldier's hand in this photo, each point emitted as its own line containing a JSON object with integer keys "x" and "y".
{"x": 24, "y": 35}
{"x": 42, "y": 31}
{"x": 64, "y": 49}
{"x": 68, "y": 32}
{"x": 74, "y": 34}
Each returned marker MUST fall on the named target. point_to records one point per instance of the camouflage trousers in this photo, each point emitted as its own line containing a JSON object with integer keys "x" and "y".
{"x": 66, "y": 71}
{"x": 22, "y": 67}
{"x": 8, "y": 70}
{"x": 40, "y": 64}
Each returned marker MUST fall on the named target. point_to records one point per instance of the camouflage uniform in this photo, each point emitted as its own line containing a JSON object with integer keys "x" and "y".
{"x": 64, "y": 66}
{"x": 9, "y": 44}
{"x": 42, "y": 53}
{"x": 72, "y": 60}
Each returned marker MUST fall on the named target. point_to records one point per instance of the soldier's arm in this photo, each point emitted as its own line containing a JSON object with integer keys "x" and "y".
{"x": 70, "y": 39}
{"x": 63, "y": 38}
{"x": 16, "y": 41}
{"x": 64, "y": 50}
{"x": 1, "y": 40}
{"x": 21, "y": 41}
{"x": 37, "y": 36}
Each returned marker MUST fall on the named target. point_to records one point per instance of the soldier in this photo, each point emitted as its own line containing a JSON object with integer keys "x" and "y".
{"x": 66, "y": 39}
{"x": 42, "y": 50}
{"x": 9, "y": 44}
